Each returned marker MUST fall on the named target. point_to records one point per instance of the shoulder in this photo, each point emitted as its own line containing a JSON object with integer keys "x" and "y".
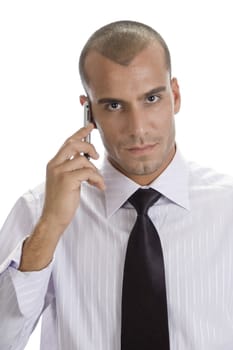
{"x": 205, "y": 181}
{"x": 34, "y": 198}
{"x": 209, "y": 176}
{"x": 32, "y": 201}
{"x": 28, "y": 206}
{"x": 21, "y": 220}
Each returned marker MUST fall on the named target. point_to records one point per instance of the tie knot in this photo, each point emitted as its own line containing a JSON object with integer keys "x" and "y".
{"x": 143, "y": 199}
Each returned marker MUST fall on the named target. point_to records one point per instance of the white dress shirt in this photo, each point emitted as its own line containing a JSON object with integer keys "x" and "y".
{"x": 79, "y": 293}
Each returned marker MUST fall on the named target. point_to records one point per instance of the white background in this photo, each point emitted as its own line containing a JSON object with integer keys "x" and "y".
{"x": 40, "y": 42}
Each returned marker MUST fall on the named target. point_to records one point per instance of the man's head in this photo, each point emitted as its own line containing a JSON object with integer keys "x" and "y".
{"x": 126, "y": 71}
{"x": 120, "y": 42}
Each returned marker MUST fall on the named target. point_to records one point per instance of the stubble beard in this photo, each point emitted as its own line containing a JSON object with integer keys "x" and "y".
{"x": 144, "y": 165}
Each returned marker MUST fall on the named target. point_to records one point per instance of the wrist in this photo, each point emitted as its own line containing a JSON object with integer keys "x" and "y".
{"x": 49, "y": 225}
{"x": 38, "y": 249}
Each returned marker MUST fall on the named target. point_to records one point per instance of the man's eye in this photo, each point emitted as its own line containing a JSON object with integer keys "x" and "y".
{"x": 113, "y": 106}
{"x": 152, "y": 98}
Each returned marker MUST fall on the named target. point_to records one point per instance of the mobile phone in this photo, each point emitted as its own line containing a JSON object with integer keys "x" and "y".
{"x": 86, "y": 121}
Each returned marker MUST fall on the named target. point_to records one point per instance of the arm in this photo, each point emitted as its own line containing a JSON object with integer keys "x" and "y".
{"x": 23, "y": 295}
{"x": 65, "y": 173}
{"x": 23, "y": 298}
{"x": 24, "y": 291}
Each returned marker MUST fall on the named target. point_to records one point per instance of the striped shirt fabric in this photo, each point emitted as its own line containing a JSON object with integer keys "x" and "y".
{"x": 79, "y": 293}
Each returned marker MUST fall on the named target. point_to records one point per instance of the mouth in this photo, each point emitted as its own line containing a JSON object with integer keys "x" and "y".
{"x": 142, "y": 149}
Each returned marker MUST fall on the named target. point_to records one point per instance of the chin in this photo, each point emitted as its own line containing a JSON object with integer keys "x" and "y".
{"x": 140, "y": 167}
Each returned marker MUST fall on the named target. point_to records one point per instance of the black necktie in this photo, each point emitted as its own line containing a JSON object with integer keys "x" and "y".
{"x": 144, "y": 304}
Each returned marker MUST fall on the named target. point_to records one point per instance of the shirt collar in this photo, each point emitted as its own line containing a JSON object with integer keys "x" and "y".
{"x": 172, "y": 183}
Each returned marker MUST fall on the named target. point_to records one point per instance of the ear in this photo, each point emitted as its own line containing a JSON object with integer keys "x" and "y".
{"x": 83, "y": 99}
{"x": 176, "y": 94}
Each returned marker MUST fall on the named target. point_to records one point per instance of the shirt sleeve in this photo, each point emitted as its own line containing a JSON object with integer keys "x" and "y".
{"x": 23, "y": 295}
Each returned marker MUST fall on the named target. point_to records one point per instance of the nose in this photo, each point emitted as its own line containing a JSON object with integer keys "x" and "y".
{"x": 135, "y": 122}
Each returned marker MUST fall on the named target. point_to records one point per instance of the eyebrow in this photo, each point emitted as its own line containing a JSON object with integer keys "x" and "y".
{"x": 114, "y": 99}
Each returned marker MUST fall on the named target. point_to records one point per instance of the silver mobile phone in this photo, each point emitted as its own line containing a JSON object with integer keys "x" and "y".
{"x": 87, "y": 119}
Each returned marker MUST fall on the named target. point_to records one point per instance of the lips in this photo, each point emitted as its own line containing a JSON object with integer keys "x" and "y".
{"x": 142, "y": 149}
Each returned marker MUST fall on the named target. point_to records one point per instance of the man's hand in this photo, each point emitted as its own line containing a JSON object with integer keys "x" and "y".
{"x": 65, "y": 173}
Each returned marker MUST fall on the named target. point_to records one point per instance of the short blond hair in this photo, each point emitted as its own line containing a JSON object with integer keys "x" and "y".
{"x": 121, "y": 41}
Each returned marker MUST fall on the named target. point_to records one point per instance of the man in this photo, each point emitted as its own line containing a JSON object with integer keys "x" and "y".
{"x": 64, "y": 248}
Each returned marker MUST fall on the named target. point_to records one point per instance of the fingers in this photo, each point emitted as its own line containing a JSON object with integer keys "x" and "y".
{"x": 86, "y": 174}
{"x": 83, "y": 132}
{"x": 64, "y": 176}
{"x": 69, "y": 167}
{"x": 75, "y": 145}
{"x": 79, "y": 169}
{"x": 75, "y": 163}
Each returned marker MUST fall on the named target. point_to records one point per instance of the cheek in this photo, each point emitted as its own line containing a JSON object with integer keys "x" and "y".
{"x": 168, "y": 125}
{"x": 169, "y": 132}
{"x": 107, "y": 134}
{"x": 164, "y": 119}
{"x": 165, "y": 124}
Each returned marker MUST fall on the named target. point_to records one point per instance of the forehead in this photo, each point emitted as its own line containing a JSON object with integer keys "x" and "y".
{"x": 146, "y": 71}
